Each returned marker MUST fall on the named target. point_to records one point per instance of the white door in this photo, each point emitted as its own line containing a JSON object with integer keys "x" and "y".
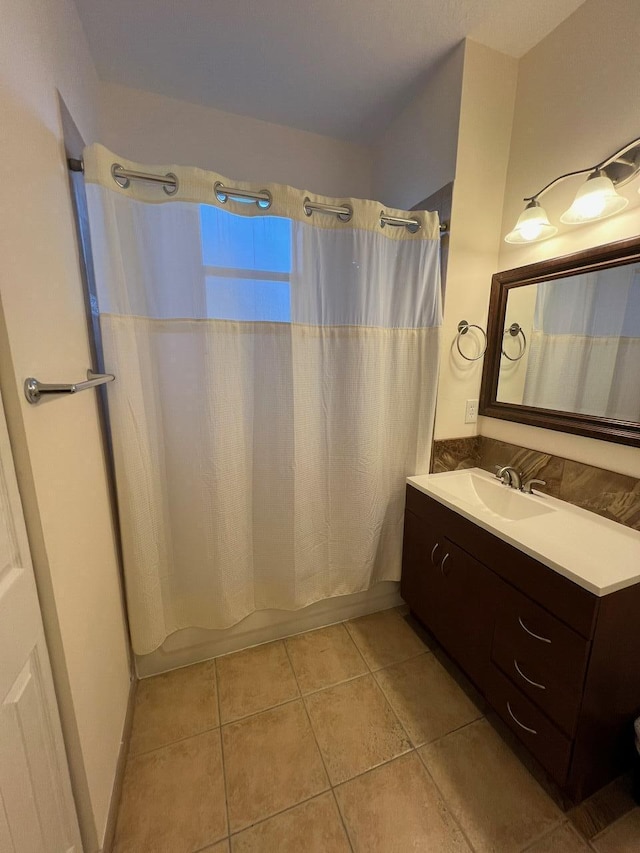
{"x": 37, "y": 813}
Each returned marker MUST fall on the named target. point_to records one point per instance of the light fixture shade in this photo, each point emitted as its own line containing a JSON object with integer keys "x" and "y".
{"x": 532, "y": 226}
{"x": 596, "y": 199}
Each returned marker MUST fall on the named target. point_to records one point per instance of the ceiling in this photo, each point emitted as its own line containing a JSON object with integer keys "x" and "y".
{"x": 337, "y": 67}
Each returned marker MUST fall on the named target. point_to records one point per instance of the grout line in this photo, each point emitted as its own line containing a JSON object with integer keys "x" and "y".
{"x": 336, "y": 684}
{"x": 547, "y": 833}
{"x": 261, "y": 711}
{"x": 173, "y": 742}
{"x": 393, "y": 711}
{"x": 315, "y": 740}
{"x": 449, "y": 808}
{"x": 342, "y": 820}
{"x": 224, "y": 769}
{"x": 274, "y": 814}
{"x": 453, "y": 731}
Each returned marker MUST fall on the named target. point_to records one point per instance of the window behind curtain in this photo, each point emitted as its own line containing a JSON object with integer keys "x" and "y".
{"x": 247, "y": 264}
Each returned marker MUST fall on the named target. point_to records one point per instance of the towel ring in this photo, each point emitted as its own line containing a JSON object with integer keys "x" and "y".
{"x": 515, "y": 329}
{"x": 463, "y": 328}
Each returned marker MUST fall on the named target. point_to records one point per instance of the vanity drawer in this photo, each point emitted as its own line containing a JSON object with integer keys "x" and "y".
{"x": 543, "y": 657}
{"x": 545, "y": 742}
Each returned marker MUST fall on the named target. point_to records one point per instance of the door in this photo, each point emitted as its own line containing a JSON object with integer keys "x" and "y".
{"x": 37, "y": 813}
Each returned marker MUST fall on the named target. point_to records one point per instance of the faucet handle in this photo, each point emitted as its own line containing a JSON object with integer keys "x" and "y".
{"x": 503, "y": 474}
{"x": 527, "y": 486}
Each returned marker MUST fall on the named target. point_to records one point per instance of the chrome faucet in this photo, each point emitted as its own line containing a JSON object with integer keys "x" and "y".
{"x": 509, "y": 476}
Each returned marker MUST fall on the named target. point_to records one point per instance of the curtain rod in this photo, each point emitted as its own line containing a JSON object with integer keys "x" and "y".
{"x": 262, "y": 198}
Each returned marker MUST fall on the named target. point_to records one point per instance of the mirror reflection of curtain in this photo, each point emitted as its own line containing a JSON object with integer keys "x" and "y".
{"x": 585, "y": 345}
{"x": 275, "y": 385}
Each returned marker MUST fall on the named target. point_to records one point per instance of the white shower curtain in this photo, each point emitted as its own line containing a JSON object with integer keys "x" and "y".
{"x": 585, "y": 345}
{"x": 275, "y": 384}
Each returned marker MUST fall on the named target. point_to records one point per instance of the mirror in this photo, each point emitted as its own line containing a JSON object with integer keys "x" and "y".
{"x": 564, "y": 344}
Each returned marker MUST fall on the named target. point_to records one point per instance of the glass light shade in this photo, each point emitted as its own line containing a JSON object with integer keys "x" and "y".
{"x": 532, "y": 226}
{"x": 596, "y": 199}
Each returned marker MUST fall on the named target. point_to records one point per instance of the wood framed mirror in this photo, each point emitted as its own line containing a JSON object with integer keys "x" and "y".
{"x": 563, "y": 349}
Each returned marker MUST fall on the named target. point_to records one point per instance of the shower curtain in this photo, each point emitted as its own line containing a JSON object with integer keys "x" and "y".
{"x": 585, "y": 345}
{"x": 275, "y": 384}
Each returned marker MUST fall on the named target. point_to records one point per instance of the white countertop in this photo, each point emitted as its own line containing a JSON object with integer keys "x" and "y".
{"x": 598, "y": 554}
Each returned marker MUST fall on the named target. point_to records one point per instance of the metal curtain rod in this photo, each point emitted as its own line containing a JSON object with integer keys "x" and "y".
{"x": 262, "y": 198}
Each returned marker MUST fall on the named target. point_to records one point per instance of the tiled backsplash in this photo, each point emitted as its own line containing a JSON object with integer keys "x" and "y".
{"x": 611, "y": 495}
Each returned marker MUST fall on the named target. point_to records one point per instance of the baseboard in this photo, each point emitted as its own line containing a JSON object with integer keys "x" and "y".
{"x": 194, "y": 645}
{"x": 116, "y": 791}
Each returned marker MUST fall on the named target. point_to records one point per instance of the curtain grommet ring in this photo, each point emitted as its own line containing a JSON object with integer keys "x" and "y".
{"x": 171, "y": 190}
{"x": 345, "y": 217}
{"x": 463, "y": 328}
{"x": 223, "y": 198}
{"x": 305, "y": 206}
{"x": 120, "y": 180}
{"x": 265, "y": 203}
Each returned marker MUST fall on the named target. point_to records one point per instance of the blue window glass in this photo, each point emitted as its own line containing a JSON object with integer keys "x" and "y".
{"x": 247, "y": 265}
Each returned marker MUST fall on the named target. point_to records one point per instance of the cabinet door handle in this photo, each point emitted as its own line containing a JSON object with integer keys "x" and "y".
{"x": 528, "y": 680}
{"x": 531, "y": 633}
{"x": 444, "y": 560}
{"x": 433, "y": 553}
{"x": 516, "y": 720}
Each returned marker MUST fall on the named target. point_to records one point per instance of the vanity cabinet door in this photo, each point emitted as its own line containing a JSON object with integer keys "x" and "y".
{"x": 464, "y": 593}
{"x": 420, "y": 551}
{"x": 450, "y": 592}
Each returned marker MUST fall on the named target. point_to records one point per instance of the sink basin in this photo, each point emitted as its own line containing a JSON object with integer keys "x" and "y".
{"x": 491, "y": 495}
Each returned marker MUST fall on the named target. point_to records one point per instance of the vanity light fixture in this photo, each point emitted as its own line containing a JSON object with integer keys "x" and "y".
{"x": 597, "y": 198}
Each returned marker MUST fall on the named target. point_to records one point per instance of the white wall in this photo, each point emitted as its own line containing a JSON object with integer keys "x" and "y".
{"x": 57, "y": 445}
{"x": 486, "y": 111}
{"x": 152, "y": 129}
{"x": 416, "y": 155}
{"x": 578, "y": 99}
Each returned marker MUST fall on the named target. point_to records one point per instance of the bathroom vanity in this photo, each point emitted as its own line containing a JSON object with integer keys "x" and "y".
{"x": 538, "y": 602}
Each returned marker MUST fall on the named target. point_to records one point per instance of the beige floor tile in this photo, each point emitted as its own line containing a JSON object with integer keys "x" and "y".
{"x": 397, "y": 808}
{"x": 175, "y": 705}
{"x": 324, "y": 657}
{"x": 271, "y": 763}
{"x": 221, "y": 847}
{"x": 496, "y": 800}
{"x": 254, "y": 680}
{"x": 384, "y": 638}
{"x": 314, "y": 826}
{"x": 426, "y": 698}
{"x": 565, "y": 839}
{"x": 622, "y": 837}
{"x": 356, "y": 728}
{"x": 173, "y": 798}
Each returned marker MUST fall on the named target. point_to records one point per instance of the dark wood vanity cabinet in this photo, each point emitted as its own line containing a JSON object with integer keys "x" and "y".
{"x": 560, "y": 665}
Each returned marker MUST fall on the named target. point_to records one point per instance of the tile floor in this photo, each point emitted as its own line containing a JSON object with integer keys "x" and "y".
{"x": 348, "y": 738}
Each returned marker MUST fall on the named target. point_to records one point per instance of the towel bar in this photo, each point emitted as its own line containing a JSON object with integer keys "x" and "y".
{"x": 33, "y": 389}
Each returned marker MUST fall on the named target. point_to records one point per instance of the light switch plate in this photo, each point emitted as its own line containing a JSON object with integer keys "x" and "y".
{"x": 471, "y": 412}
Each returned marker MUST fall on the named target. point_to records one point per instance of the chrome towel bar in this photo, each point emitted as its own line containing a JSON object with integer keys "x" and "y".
{"x": 33, "y": 389}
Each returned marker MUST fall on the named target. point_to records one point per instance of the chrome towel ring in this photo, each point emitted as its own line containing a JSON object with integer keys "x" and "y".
{"x": 463, "y": 328}
{"x": 515, "y": 329}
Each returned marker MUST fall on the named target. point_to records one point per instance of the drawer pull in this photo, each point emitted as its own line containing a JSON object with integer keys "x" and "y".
{"x": 528, "y": 680}
{"x": 531, "y": 633}
{"x": 444, "y": 560}
{"x": 516, "y": 720}
{"x": 433, "y": 553}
